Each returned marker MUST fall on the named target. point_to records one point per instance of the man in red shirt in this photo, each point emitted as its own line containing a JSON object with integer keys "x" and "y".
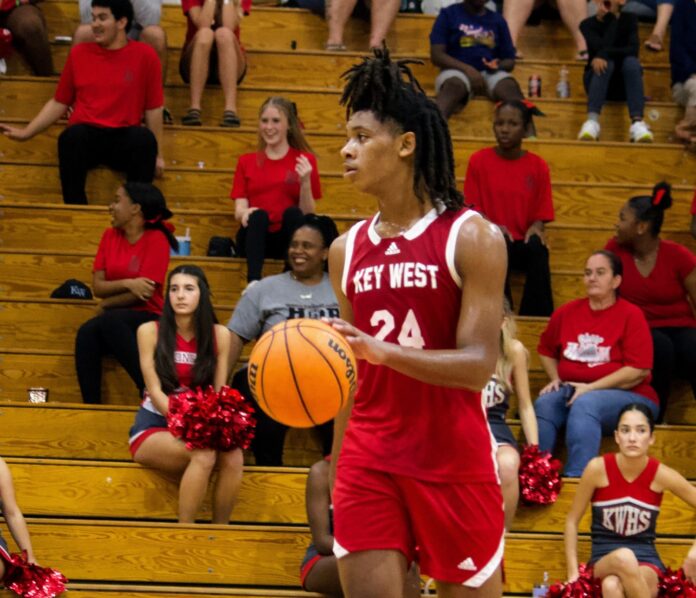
{"x": 111, "y": 85}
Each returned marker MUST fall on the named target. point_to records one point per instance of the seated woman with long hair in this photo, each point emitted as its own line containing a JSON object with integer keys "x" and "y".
{"x": 625, "y": 490}
{"x": 185, "y": 349}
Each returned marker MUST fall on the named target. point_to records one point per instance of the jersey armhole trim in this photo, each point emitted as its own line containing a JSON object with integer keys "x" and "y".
{"x": 350, "y": 245}
{"x": 451, "y": 246}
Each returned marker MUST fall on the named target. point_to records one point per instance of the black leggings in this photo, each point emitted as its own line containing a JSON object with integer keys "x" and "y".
{"x": 675, "y": 356}
{"x": 532, "y": 258}
{"x": 255, "y": 242}
{"x": 132, "y": 150}
{"x": 111, "y": 333}
{"x": 269, "y": 440}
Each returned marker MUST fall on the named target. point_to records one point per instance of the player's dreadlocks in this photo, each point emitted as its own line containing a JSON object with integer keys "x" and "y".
{"x": 389, "y": 90}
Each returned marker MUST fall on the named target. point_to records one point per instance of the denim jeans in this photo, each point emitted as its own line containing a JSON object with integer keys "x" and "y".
{"x": 599, "y": 86}
{"x": 589, "y": 417}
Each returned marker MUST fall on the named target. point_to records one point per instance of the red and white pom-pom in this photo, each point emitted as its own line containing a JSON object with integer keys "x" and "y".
{"x": 675, "y": 584}
{"x": 5, "y": 43}
{"x": 585, "y": 586}
{"x": 31, "y": 581}
{"x": 540, "y": 476}
{"x": 211, "y": 420}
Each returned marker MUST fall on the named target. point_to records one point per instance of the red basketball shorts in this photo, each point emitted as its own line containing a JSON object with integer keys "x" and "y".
{"x": 455, "y": 531}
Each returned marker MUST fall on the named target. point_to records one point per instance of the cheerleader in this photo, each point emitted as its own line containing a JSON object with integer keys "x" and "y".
{"x": 625, "y": 490}
{"x": 185, "y": 349}
{"x": 14, "y": 519}
{"x": 510, "y": 375}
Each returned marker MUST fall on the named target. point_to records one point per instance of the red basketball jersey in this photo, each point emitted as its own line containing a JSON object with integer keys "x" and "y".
{"x": 406, "y": 290}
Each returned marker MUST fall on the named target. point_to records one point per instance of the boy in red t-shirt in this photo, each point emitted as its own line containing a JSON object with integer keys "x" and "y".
{"x": 111, "y": 85}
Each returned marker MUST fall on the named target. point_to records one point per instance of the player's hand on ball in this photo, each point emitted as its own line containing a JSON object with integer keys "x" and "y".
{"x": 364, "y": 346}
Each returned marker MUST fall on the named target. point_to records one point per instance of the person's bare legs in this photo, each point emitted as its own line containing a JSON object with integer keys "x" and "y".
{"x": 229, "y": 479}
{"x": 516, "y": 13}
{"x": 622, "y": 563}
{"x": 337, "y": 16}
{"x": 508, "y": 468}
{"x": 685, "y": 129}
{"x": 373, "y": 574}
{"x": 452, "y": 96}
{"x": 383, "y": 13}
{"x": 230, "y": 65}
{"x": 30, "y": 36}
{"x": 612, "y": 588}
{"x": 200, "y": 63}
{"x": 573, "y": 12}
{"x": 155, "y": 36}
{"x": 323, "y": 578}
{"x": 664, "y": 14}
{"x": 492, "y": 588}
{"x": 169, "y": 455}
{"x": 194, "y": 483}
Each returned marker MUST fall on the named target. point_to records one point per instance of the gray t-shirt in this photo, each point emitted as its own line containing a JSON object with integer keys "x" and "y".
{"x": 278, "y": 298}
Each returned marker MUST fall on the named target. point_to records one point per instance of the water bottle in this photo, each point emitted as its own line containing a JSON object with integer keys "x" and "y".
{"x": 540, "y": 590}
{"x": 563, "y": 85}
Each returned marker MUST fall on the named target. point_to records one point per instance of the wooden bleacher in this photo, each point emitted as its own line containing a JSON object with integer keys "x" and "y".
{"x": 321, "y": 112}
{"x": 108, "y": 523}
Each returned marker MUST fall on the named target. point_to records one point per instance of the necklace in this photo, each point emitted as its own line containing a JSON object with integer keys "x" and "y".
{"x": 307, "y": 295}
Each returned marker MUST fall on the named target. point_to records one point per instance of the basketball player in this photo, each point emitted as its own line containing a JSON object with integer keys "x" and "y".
{"x": 420, "y": 288}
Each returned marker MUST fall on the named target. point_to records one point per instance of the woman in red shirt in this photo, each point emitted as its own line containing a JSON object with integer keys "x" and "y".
{"x": 660, "y": 278}
{"x": 129, "y": 272}
{"x": 212, "y": 53}
{"x": 597, "y": 354}
{"x": 274, "y": 187}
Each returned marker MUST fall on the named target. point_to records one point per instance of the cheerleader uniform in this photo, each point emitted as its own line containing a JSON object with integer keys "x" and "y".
{"x": 496, "y": 397}
{"x": 149, "y": 420}
{"x": 624, "y": 514}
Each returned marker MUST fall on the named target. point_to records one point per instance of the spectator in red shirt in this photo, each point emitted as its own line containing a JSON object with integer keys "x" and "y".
{"x": 111, "y": 85}
{"x": 512, "y": 187}
{"x": 274, "y": 187}
{"x": 597, "y": 354}
{"x": 145, "y": 28}
{"x": 660, "y": 278}
{"x": 129, "y": 271}
{"x": 29, "y": 34}
{"x": 213, "y": 54}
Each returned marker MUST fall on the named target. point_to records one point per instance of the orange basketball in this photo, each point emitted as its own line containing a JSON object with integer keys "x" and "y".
{"x": 301, "y": 372}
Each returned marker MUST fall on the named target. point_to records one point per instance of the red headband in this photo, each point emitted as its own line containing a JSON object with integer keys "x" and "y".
{"x": 657, "y": 198}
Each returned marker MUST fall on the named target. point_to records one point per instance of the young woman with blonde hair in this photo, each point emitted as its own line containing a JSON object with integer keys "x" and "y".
{"x": 510, "y": 376}
{"x": 274, "y": 187}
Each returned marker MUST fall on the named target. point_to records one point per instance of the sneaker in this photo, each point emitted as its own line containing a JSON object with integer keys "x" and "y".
{"x": 640, "y": 133}
{"x": 589, "y": 131}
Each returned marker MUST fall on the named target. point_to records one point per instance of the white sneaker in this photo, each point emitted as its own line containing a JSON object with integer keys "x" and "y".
{"x": 589, "y": 131}
{"x": 640, "y": 133}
